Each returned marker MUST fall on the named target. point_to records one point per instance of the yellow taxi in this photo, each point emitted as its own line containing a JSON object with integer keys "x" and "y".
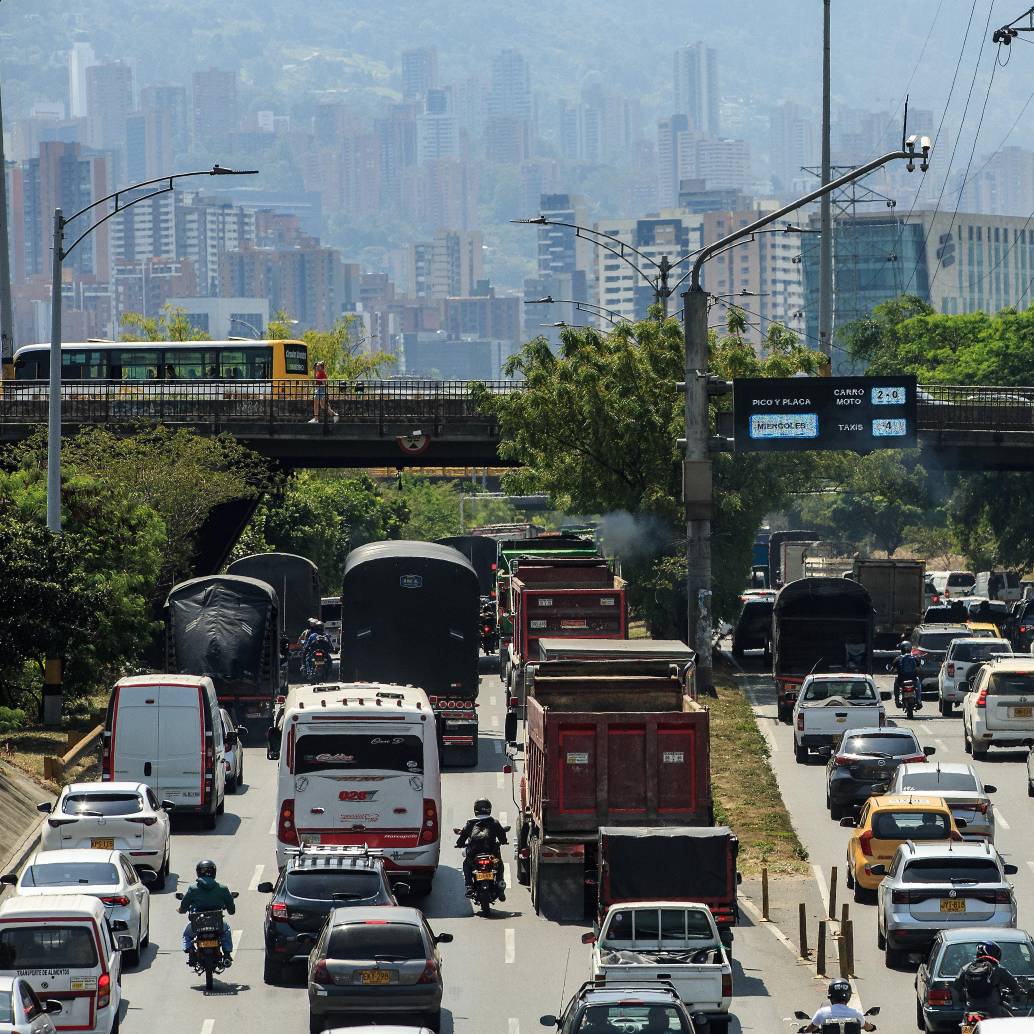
{"x": 984, "y": 628}
{"x": 883, "y": 825}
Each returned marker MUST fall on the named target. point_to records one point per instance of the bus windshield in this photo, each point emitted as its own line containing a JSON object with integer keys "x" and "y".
{"x": 363, "y": 752}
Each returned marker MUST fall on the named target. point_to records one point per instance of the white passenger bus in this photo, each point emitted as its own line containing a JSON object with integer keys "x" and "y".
{"x": 359, "y": 765}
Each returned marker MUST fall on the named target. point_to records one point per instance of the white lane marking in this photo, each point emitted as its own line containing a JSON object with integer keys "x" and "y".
{"x": 513, "y": 1026}
{"x": 497, "y": 746}
{"x": 1031, "y": 864}
{"x": 491, "y": 703}
{"x": 1000, "y": 819}
{"x": 510, "y": 950}
{"x": 820, "y": 879}
{"x": 925, "y": 729}
{"x": 235, "y": 936}
{"x": 499, "y": 780}
{"x": 272, "y": 828}
{"x": 502, "y": 818}
{"x": 256, "y": 878}
{"x": 506, "y": 874}
{"x": 206, "y": 1026}
{"x": 494, "y": 721}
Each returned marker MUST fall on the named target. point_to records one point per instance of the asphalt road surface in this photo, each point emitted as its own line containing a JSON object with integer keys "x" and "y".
{"x": 501, "y": 974}
{"x": 803, "y": 788}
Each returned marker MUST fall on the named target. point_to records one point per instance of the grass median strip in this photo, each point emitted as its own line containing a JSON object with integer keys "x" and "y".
{"x": 746, "y": 793}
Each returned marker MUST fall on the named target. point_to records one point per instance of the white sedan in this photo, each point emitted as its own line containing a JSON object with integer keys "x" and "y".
{"x": 21, "y": 1012}
{"x": 108, "y": 875}
{"x": 112, "y": 817}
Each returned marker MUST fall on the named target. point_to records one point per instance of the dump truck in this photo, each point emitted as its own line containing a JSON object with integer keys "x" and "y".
{"x": 612, "y": 743}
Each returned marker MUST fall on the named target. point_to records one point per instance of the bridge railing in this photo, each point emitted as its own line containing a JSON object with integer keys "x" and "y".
{"x": 960, "y": 407}
{"x": 383, "y": 404}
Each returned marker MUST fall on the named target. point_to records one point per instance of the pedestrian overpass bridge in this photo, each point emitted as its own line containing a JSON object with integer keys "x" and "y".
{"x": 426, "y": 423}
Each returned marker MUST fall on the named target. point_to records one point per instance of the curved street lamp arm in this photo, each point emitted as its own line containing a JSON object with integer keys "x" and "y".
{"x": 590, "y": 235}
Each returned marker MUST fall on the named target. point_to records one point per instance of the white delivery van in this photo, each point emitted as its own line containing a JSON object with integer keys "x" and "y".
{"x": 64, "y": 946}
{"x": 165, "y": 731}
{"x": 359, "y": 765}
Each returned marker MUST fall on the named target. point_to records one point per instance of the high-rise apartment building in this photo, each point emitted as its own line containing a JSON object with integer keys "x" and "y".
{"x": 1003, "y": 187}
{"x": 450, "y": 265}
{"x": 419, "y": 72}
{"x": 560, "y": 248}
{"x": 791, "y": 145}
{"x": 214, "y": 108}
{"x": 144, "y": 286}
{"x": 205, "y": 228}
{"x": 696, "y": 87}
{"x": 484, "y": 315}
{"x": 148, "y": 145}
{"x": 672, "y": 133}
{"x": 510, "y": 92}
{"x": 171, "y": 102}
{"x": 723, "y": 164}
{"x": 437, "y": 130}
{"x": 109, "y": 100}
{"x": 146, "y": 230}
{"x": 80, "y": 57}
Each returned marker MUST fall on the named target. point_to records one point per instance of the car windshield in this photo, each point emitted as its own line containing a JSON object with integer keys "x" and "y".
{"x": 325, "y": 884}
{"x": 893, "y": 746}
{"x": 630, "y": 1018}
{"x": 911, "y": 825}
{"x": 940, "y": 782}
{"x": 362, "y": 752}
{"x": 102, "y": 804}
{"x": 846, "y": 689}
{"x": 951, "y": 870}
{"x": 1012, "y": 684}
{"x": 961, "y": 579}
{"x": 1017, "y": 958}
{"x": 993, "y": 609}
{"x": 939, "y": 640}
{"x": 979, "y": 651}
{"x": 47, "y": 947}
{"x": 659, "y": 927}
{"x": 71, "y": 874}
{"x": 374, "y": 939}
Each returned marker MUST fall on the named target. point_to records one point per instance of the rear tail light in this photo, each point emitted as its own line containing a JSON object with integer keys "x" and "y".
{"x": 104, "y": 991}
{"x": 485, "y": 863}
{"x": 430, "y": 973}
{"x": 285, "y": 831}
{"x": 1025, "y": 628}
{"x": 842, "y": 760}
{"x": 513, "y": 702}
{"x": 914, "y": 759}
{"x": 429, "y": 827}
{"x": 951, "y": 668}
{"x": 983, "y": 807}
{"x": 899, "y": 897}
{"x": 278, "y": 910}
{"x": 800, "y": 721}
{"x": 918, "y": 651}
{"x": 865, "y": 843}
{"x": 144, "y": 820}
{"x": 981, "y": 700}
{"x": 117, "y": 899}
{"x": 727, "y": 985}
{"x": 938, "y": 996}
{"x": 320, "y": 973}
{"x": 1003, "y": 897}
{"x": 57, "y": 823}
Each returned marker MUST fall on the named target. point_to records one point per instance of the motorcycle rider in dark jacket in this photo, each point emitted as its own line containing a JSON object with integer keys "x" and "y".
{"x": 905, "y": 666}
{"x": 207, "y": 895}
{"x": 981, "y": 982}
{"x": 482, "y": 835}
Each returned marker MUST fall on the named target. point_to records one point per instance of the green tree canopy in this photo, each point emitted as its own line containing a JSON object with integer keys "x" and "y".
{"x": 341, "y": 347}
{"x": 171, "y": 325}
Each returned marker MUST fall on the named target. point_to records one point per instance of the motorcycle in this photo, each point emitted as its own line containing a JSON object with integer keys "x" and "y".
{"x": 844, "y": 1026}
{"x": 320, "y": 664}
{"x": 485, "y": 878}
{"x": 909, "y": 694}
{"x": 489, "y": 639}
{"x": 206, "y": 931}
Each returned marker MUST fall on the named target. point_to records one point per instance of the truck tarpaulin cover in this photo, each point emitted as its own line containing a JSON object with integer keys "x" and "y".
{"x": 410, "y": 613}
{"x": 676, "y": 862}
{"x": 295, "y": 580}
{"x": 481, "y": 552}
{"x": 218, "y": 625}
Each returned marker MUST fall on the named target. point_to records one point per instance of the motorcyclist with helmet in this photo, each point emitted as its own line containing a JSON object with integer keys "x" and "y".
{"x": 482, "y": 835}
{"x": 207, "y": 895}
{"x": 315, "y": 638}
{"x": 981, "y": 983}
{"x": 839, "y": 994}
{"x": 905, "y": 666}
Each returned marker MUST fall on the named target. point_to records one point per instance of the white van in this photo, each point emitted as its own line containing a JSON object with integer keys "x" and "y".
{"x": 65, "y": 948}
{"x": 359, "y": 765}
{"x": 165, "y": 731}
{"x": 952, "y": 583}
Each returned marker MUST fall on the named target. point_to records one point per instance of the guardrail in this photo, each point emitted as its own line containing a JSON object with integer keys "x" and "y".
{"x": 78, "y": 745}
{"x": 953, "y": 407}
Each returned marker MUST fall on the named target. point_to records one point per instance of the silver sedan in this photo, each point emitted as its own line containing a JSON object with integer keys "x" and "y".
{"x": 22, "y": 1012}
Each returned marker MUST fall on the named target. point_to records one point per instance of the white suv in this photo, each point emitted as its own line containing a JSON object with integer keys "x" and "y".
{"x": 958, "y": 661}
{"x": 999, "y": 710}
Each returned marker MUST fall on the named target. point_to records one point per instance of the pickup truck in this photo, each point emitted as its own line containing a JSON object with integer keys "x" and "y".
{"x": 676, "y": 942}
{"x": 828, "y": 705}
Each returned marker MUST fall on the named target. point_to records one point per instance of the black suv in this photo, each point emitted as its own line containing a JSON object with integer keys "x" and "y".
{"x": 316, "y": 880}
{"x": 930, "y": 643}
{"x": 753, "y": 629}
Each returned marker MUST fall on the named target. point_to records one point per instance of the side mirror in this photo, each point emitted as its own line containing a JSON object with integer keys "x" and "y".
{"x": 877, "y": 870}
{"x": 549, "y": 1020}
{"x": 880, "y": 788}
{"x": 990, "y": 788}
{"x": 119, "y": 925}
{"x": 148, "y": 876}
{"x": 52, "y": 1007}
{"x": 273, "y": 738}
{"x": 506, "y": 829}
{"x": 10, "y": 878}
{"x": 961, "y": 823}
{"x": 179, "y": 895}
{"x": 234, "y": 894}
{"x": 125, "y": 943}
{"x": 443, "y": 938}
{"x": 168, "y": 806}
{"x": 929, "y": 751}
{"x": 874, "y": 1011}
{"x": 798, "y": 1015}
{"x": 847, "y": 822}
{"x": 46, "y": 808}
{"x": 885, "y": 694}
{"x": 265, "y": 888}
{"x": 400, "y": 888}
{"x": 588, "y": 938}
{"x": 1010, "y": 870}
{"x": 507, "y": 769}
{"x": 739, "y": 878}
{"x": 457, "y": 831}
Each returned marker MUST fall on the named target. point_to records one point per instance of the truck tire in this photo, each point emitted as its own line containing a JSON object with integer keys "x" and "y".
{"x": 800, "y": 754}
{"x": 523, "y": 863}
{"x": 718, "y": 1025}
{"x": 946, "y": 708}
{"x": 472, "y": 754}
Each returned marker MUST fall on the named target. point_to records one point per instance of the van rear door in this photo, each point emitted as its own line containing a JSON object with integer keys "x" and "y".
{"x": 359, "y": 783}
{"x": 181, "y": 744}
{"x": 134, "y": 735}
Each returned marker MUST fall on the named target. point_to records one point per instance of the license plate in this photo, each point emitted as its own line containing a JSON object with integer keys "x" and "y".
{"x": 103, "y": 843}
{"x": 484, "y": 876}
{"x": 374, "y": 976}
{"x": 1021, "y": 712}
{"x": 311, "y": 838}
{"x": 953, "y": 904}
{"x": 82, "y": 984}
{"x": 967, "y": 1028}
{"x": 208, "y": 944}
{"x": 841, "y": 718}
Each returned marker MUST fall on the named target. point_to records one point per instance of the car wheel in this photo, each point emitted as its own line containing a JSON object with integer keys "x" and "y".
{"x": 316, "y": 1024}
{"x": 718, "y": 1025}
{"x": 881, "y": 941}
{"x": 115, "y": 1026}
{"x": 1030, "y": 788}
{"x": 946, "y": 708}
{"x": 208, "y": 820}
{"x": 240, "y": 775}
{"x": 272, "y": 971}
{"x": 849, "y": 876}
{"x": 163, "y": 872}
{"x": 967, "y": 743}
{"x": 893, "y": 957}
{"x": 920, "y": 1018}
{"x": 978, "y": 751}
{"x": 131, "y": 958}
{"x": 800, "y": 754}
{"x": 836, "y": 811}
{"x": 433, "y": 1020}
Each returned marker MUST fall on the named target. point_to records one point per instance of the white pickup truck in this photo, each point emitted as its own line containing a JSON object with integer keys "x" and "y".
{"x": 676, "y": 942}
{"x": 828, "y": 705}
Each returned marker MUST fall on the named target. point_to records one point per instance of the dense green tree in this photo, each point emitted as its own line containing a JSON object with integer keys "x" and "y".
{"x": 171, "y": 325}
{"x": 341, "y": 348}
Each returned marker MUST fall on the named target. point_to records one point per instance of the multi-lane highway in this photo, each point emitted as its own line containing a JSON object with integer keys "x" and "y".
{"x": 803, "y": 788}
{"x": 501, "y": 974}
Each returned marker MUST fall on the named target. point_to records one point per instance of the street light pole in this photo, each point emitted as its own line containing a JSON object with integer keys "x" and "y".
{"x": 54, "y": 406}
{"x": 826, "y": 214}
{"x": 697, "y": 476}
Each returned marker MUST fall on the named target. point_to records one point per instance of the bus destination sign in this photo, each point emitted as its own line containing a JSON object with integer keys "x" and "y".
{"x": 858, "y": 414}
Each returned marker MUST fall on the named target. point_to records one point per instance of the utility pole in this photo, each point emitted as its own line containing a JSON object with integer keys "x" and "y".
{"x": 826, "y": 215}
{"x": 6, "y": 309}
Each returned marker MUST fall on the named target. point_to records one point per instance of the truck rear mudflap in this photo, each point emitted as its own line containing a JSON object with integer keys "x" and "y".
{"x": 558, "y": 879}
{"x": 457, "y": 736}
